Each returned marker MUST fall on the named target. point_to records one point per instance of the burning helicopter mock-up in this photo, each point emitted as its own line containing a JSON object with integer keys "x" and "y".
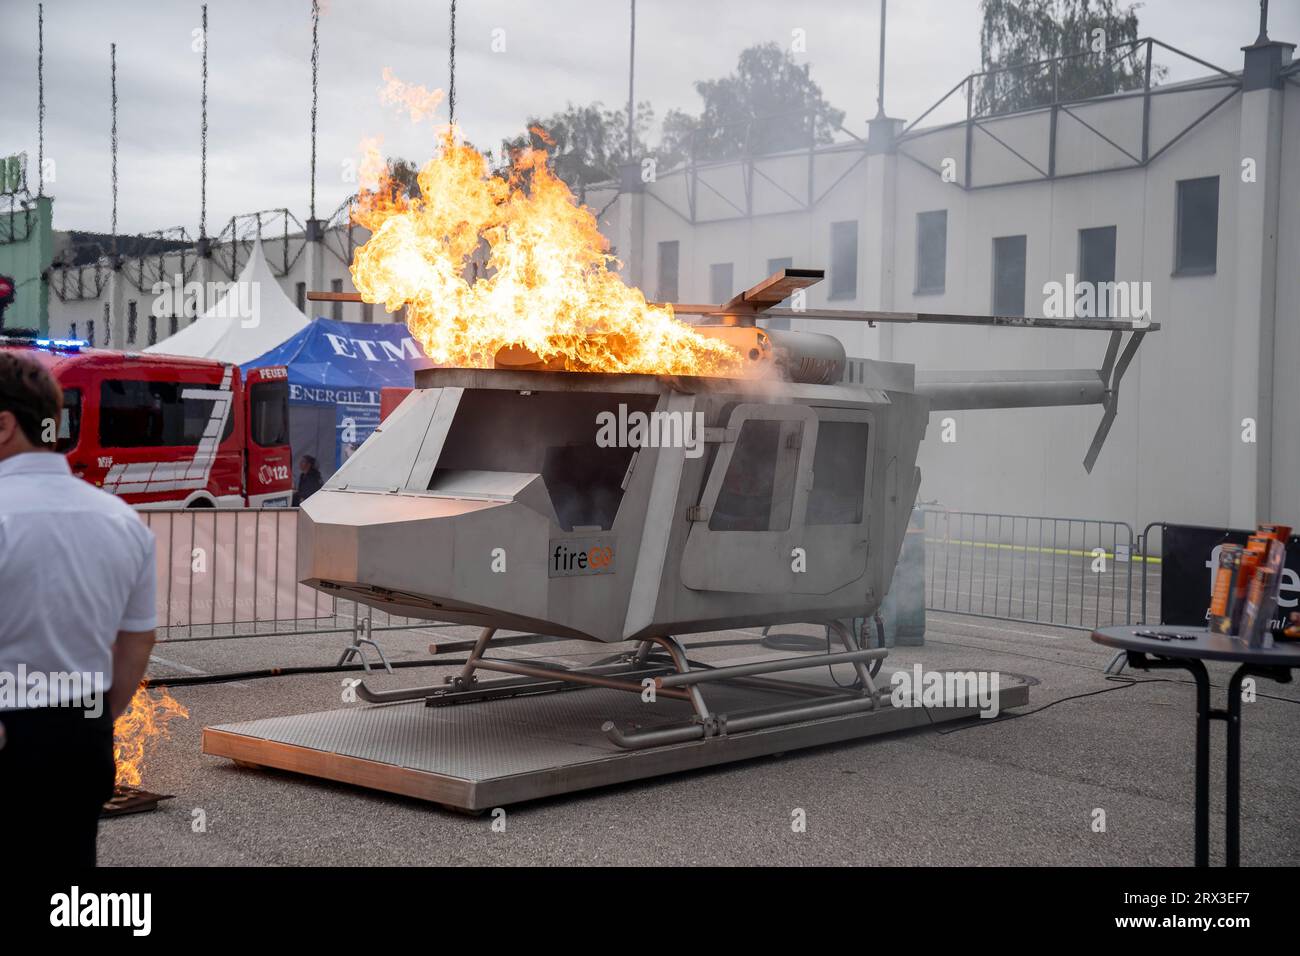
{"x": 583, "y": 465}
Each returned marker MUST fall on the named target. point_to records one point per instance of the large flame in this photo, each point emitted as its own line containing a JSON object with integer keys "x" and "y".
{"x": 133, "y": 733}
{"x": 546, "y": 286}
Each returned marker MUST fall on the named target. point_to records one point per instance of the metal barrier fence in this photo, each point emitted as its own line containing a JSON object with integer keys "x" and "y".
{"x": 1070, "y": 572}
{"x": 227, "y": 574}
{"x": 230, "y": 574}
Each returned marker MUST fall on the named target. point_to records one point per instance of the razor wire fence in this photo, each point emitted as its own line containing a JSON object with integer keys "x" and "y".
{"x": 1067, "y": 572}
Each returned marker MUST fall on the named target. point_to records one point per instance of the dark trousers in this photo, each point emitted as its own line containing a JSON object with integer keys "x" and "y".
{"x": 56, "y": 773}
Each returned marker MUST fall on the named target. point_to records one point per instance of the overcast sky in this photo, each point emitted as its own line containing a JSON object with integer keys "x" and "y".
{"x": 556, "y": 51}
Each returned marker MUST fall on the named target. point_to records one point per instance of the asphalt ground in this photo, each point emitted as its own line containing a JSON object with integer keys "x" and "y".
{"x": 1023, "y": 789}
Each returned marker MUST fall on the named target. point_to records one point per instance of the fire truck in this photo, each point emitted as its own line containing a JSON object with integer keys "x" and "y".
{"x": 164, "y": 431}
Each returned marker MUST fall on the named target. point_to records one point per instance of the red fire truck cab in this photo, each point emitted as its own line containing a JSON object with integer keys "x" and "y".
{"x": 164, "y": 431}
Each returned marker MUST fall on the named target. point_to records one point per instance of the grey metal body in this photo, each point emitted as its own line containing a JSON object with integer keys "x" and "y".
{"x": 406, "y": 526}
{"x": 492, "y": 752}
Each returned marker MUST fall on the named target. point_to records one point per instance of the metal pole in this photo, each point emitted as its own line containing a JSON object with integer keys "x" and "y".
{"x": 880, "y": 83}
{"x": 315, "y": 72}
{"x": 970, "y": 127}
{"x": 778, "y": 665}
{"x": 112, "y": 80}
{"x": 575, "y": 677}
{"x": 451, "y": 67}
{"x": 631, "y": 102}
{"x": 203, "y": 136}
{"x": 1146, "y": 107}
{"x": 1051, "y": 142}
{"x": 40, "y": 99}
{"x": 1202, "y": 821}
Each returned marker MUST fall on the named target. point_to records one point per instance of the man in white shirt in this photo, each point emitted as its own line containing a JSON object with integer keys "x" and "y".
{"x": 77, "y": 619}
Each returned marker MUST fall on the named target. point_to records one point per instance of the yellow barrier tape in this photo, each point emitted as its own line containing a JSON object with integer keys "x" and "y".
{"x": 1069, "y": 552}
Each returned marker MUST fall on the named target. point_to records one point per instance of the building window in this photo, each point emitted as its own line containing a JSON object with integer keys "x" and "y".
{"x": 90, "y": 332}
{"x": 1009, "y": 275}
{"x": 367, "y": 312}
{"x": 844, "y": 259}
{"x": 774, "y": 266}
{"x": 720, "y": 282}
{"x": 300, "y": 294}
{"x": 132, "y": 322}
{"x": 336, "y": 308}
{"x": 72, "y": 331}
{"x": 172, "y": 321}
{"x": 931, "y": 251}
{"x": 108, "y": 324}
{"x": 1096, "y": 265}
{"x": 153, "y": 330}
{"x": 1198, "y": 227}
{"x": 667, "y": 291}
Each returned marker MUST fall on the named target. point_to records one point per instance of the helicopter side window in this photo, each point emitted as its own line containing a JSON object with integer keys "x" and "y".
{"x": 757, "y": 491}
{"x": 839, "y": 474}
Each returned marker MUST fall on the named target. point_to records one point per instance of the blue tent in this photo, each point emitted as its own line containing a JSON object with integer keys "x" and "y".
{"x": 336, "y": 370}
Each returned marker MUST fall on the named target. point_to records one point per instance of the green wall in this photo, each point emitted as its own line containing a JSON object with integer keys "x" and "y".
{"x": 25, "y": 257}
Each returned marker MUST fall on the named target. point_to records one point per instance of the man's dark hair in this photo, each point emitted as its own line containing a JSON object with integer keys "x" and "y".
{"x": 29, "y": 391}
{"x": 311, "y": 461}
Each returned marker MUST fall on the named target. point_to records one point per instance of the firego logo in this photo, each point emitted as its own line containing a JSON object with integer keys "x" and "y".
{"x": 574, "y": 556}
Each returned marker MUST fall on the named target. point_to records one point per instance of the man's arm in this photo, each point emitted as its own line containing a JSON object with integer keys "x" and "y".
{"x": 130, "y": 658}
{"x": 135, "y": 636}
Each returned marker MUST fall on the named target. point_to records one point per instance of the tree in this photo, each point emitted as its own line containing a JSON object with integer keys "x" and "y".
{"x": 1092, "y": 33}
{"x": 586, "y": 144}
{"x": 403, "y": 177}
{"x": 769, "y": 104}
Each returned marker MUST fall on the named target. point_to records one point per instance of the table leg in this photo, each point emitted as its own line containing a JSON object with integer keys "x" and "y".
{"x": 1140, "y": 661}
{"x": 1202, "y": 761}
{"x": 1232, "y": 823}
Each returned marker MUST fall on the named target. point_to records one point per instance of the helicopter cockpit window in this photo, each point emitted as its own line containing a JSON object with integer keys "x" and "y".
{"x": 839, "y": 474}
{"x": 757, "y": 491}
{"x": 553, "y": 434}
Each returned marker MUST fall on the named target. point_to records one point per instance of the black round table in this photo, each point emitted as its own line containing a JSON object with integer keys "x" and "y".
{"x": 1152, "y": 647}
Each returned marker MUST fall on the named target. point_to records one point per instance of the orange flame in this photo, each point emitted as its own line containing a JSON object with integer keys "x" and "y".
{"x": 418, "y": 101}
{"x": 547, "y": 286}
{"x": 133, "y": 733}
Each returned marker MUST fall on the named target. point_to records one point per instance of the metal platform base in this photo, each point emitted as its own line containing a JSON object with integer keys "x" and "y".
{"x": 480, "y": 755}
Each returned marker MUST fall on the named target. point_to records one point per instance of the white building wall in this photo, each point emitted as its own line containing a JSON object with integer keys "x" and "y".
{"x": 64, "y": 313}
{"x": 1166, "y": 455}
{"x": 1172, "y": 400}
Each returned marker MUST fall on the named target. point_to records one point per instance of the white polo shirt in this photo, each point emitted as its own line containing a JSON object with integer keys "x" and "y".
{"x": 76, "y": 567}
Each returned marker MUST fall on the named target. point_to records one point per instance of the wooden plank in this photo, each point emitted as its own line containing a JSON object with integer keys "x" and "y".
{"x": 334, "y": 297}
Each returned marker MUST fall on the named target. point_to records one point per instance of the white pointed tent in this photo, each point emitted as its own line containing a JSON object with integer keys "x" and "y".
{"x": 253, "y": 317}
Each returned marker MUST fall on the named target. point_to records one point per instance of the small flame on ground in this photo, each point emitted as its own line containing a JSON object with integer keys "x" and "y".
{"x": 546, "y": 283}
{"x": 134, "y": 732}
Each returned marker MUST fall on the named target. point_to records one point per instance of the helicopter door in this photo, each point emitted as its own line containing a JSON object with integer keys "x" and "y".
{"x": 787, "y": 478}
{"x": 751, "y": 513}
{"x": 838, "y": 515}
